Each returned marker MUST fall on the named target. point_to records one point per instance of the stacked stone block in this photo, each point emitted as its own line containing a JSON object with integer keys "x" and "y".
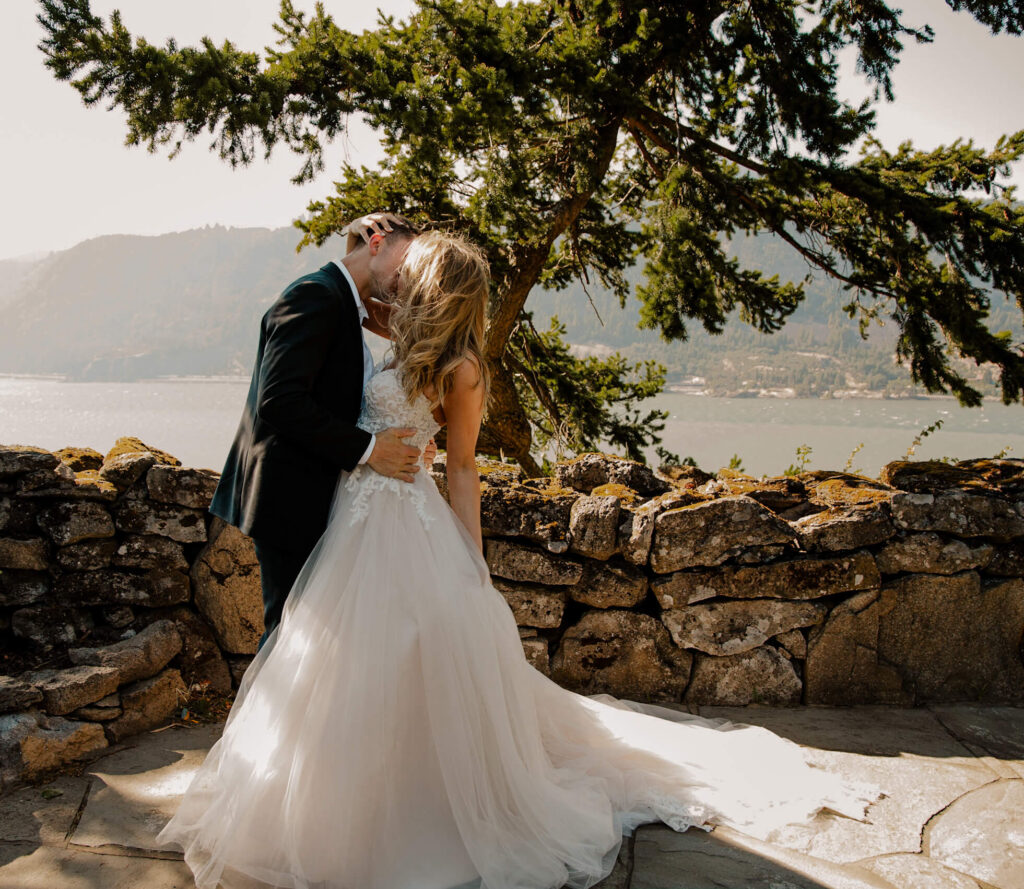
{"x": 119, "y": 592}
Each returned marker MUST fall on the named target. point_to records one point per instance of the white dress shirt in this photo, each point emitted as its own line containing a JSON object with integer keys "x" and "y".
{"x": 367, "y": 357}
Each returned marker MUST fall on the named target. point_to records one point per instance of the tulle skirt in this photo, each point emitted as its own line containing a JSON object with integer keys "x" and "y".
{"x": 391, "y": 734}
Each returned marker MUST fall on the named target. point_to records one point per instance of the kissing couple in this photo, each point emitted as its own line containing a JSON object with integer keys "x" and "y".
{"x": 389, "y": 732}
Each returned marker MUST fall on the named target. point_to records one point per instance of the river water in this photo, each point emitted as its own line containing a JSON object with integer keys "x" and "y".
{"x": 196, "y": 419}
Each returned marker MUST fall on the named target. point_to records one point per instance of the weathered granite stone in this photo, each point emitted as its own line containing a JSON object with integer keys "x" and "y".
{"x": 73, "y": 522}
{"x": 118, "y": 616}
{"x": 928, "y": 553}
{"x": 723, "y": 628}
{"x": 636, "y": 528}
{"x": 185, "y": 487}
{"x": 136, "y": 657}
{"x": 793, "y": 642}
{"x": 177, "y": 522}
{"x": 593, "y": 526}
{"x": 536, "y": 652}
{"x": 839, "y": 528}
{"x": 912, "y": 644}
{"x": 979, "y": 834}
{"x": 89, "y": 555}
{"x": 711, "y": 532}
{"x": 759, "y": 676}
{"x": 102, "y": 710}
{"x": 19, "y": 588}
{"x": 777, "y": 494}
{"x": 150, "y": 551}
{"x": 533, "y": 605}
{"x": 16, "y": 693}
{"x": 954, "y": 512}
{"x": 515, "y": 562}
{"x": 759, "y": 555}
{"x": 50, "y": 626}
{"x": 843, "y": 664}
{"x": 588, "y": 471}
{"x": 85, "y": 486}
{"x": 682, "y": 475}
{"x": 17, "y": 517}
{"x": 79, "y": 459}
{"x": 19, "y": 459}
{"x": 23, "y": 555}
{"x": 539, "y": 515}
{"x": 803, "y": 578}
{"x": 74, "y": 687}
{"x": 200, "y": 659}
{"x": 146, "y": 704}
{"x": 124, "y": 470}
{"x": 493, "y": 473}
{"x": 33, "y": 743}
{"x": 606, "y": 585}
{"x": 623, "y": 654}
{"x": 130, "y": 445}
{"x": 1007, "y": 560}
{"x": 992, "y": 476}
{"x": 112, "y": 587}
{"x": 844, "y": 488}
{"x": 226, "y": 578}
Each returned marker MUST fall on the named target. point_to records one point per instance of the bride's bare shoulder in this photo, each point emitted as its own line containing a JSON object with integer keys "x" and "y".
{"x": 467, "y": 374}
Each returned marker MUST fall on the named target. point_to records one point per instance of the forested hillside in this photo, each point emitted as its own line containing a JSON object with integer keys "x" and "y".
{"x": 126, "y": 307}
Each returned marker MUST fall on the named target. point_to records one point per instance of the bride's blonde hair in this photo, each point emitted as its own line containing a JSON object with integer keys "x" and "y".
{"x": 440, "y": 313}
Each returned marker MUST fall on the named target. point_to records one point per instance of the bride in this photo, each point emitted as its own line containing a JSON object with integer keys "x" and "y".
{"x": 390, "y": 733}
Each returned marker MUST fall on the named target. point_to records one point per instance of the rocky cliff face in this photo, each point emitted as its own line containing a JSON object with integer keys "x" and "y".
{"x": 120, "y": 595}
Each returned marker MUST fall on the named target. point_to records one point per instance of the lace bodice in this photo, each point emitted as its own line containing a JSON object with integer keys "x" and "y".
{"x": 385, "y": 405}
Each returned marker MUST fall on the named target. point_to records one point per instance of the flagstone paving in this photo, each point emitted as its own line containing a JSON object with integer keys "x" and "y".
{"x": 953, "y": 817}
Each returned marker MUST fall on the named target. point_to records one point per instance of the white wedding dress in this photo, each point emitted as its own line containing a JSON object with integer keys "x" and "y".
{"x": 391, "y": 734}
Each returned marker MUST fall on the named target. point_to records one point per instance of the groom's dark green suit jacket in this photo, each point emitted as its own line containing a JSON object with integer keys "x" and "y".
{"x": 298, "y": 429}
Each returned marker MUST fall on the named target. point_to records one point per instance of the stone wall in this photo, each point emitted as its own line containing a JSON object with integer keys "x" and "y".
{"x": 120, "y": 595}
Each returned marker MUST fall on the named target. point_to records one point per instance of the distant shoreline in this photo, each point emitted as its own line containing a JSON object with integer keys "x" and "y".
{"x": 785, "y": 392}
{"x": 673, "y": 388}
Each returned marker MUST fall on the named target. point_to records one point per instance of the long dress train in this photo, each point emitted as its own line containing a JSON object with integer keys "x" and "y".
{"x": 391, "y": 734}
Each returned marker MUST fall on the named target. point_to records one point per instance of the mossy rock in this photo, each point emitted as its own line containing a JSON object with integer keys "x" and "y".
{"x": 129, "y": 445}
{"x": 627, "y": 496}
{"x": 844, "y": 488}
{"x": 80, "y": 459}
{"x": 989, "y": 476}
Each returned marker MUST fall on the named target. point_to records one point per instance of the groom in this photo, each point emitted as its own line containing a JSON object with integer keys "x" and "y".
{"x": 298, "y": 432}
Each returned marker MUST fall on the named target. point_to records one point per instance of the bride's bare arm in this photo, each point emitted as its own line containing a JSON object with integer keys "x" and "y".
{"x": 463, "y": 410}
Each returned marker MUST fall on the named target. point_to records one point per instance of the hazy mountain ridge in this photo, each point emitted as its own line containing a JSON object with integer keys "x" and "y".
{"x": 129, "y": 306}
{"x": 819, "y": 350}
{"x": 124, "y": 307}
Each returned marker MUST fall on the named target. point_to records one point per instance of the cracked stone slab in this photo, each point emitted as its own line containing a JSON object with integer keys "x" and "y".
{"x": 695, "y": 859}
{"x": 982, "y": 834}
{"x": 139, "y": 788}
{"x": 42, "y": 814}
{"x": 906, "y": 752}
{"x": 999, "y": 731}
{"x": 47, "y": 867}
{"x": 917, "y": 872}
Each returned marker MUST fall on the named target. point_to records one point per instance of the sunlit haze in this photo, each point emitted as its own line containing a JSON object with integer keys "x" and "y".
{"x": 68, "y": 176}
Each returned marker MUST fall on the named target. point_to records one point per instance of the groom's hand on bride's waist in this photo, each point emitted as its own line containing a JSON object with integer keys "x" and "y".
{"x": 393, "y": 457}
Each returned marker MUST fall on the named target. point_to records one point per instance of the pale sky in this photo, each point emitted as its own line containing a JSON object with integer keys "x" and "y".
{"x": 66, "y": 174}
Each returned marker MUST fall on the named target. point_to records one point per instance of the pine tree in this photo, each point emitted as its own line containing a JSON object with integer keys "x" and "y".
{"x": 576, "y": 138}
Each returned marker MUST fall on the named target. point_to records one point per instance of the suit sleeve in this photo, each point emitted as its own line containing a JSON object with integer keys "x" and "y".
{"x": 302, "y": 327}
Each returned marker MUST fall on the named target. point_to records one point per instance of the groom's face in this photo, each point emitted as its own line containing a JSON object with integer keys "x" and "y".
{"x": 385, "y": 264}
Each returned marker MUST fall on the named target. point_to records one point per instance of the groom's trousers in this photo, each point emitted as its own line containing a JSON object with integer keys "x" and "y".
{"x": 278, "y": 570}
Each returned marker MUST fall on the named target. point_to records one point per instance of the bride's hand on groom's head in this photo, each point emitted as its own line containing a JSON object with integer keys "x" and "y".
{"x": 392, "y": 457}
{"x": 365, "y": 227}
